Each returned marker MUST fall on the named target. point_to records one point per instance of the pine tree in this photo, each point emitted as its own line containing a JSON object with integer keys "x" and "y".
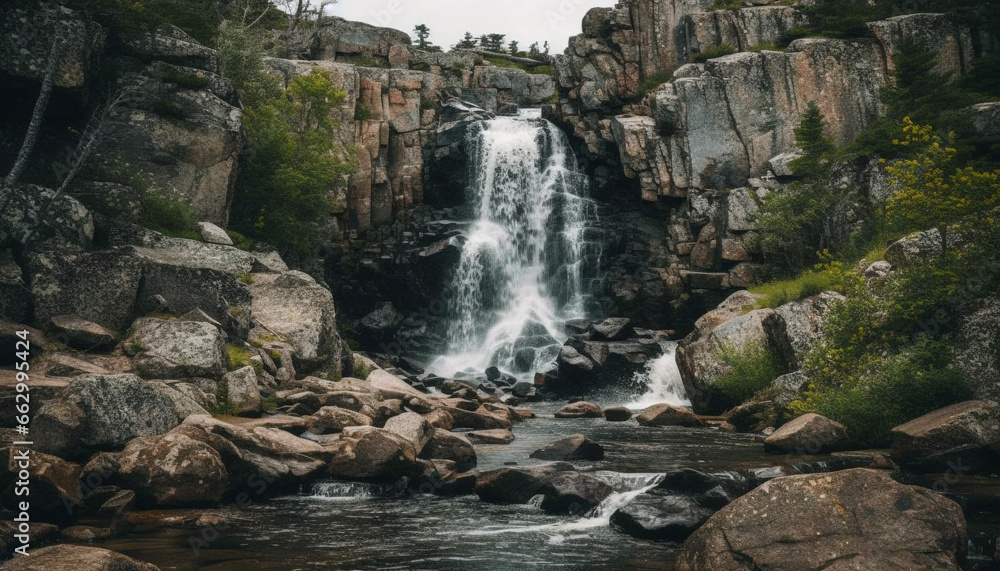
{"x": 514, "y": 48}
{"x": 422, "y": 32}
{"x": 468, "y": 42}
{"x": 812, "y": 139}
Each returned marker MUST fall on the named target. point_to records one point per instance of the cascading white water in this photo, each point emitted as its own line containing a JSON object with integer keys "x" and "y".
{"x": 521, "y": 274}
{"x": 662, "y": 380}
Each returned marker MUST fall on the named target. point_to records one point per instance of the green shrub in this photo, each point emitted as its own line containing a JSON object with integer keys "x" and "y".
{"x": 910, "y": 384}
{"x": 714, "y": 52}
{"x": 282, "y": 196}
{"x": 240, "y": 241}
{"x": 362, "y": 113}
{"x": 169, "y": 217}
{"x": 427, "y": 104}
{"x": 656, "y": 80}
{"x": 752, "y": 369}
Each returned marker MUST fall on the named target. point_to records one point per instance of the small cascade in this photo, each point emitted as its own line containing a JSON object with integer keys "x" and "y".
{"x": 627, "y": 488}
{"x": 662, "y": 380}
{"x": 526, "y": 263}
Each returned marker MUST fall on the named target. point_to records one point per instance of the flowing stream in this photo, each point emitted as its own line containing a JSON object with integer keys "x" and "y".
{"x": 526, "y": 261}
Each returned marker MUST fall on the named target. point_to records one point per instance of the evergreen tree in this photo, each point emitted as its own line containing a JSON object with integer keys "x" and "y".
{"x": 815, "y": 145}
{"x": 495, "y": 42}
{"x": 468, "y": 42}
{"x": 422, "y": 32}
{"x": 514, "y": 48}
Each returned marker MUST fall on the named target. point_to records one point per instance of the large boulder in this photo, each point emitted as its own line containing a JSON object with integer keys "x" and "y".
{"x": 55, "y": 222}
{"x": 372, "y": 454}
{"x": 83, "y": 334}
{"x": 807, "y": 434}
{"x": 573, "y": 493}
{"x": 966, "y": 434}
{"x": 854, "y": 519}
{"x": 173, "y": 470}
{"x": 576, "y": 447}
{"x": 515, "y": 485}
{"x": 413, "y": 428}
{"x": 27, "y": 34}
{"x": 294, "y": 306}
{"x": 242, "y": 392}
{"x": 182, "y": 141}
{"x": 54, "y": 484}
{"x": 335, "y": 419}
{"x": 445, "y": 445}
{"x": 668, "y": 415}
{"x": 705, "y": 355}
{"x": 660, "y": 517}
{"x": 101, "y": 287}
{"x": 580, "y": 409}
{"x": 976, "y": 349}
{"x": 75, "y": 558}
{"x": 177, "y": 349}
{"x": 103, "y": 412}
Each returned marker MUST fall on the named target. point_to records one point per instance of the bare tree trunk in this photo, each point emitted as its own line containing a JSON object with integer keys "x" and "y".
{"x": 84, "y": 149}
{"x": 35, "y": 126}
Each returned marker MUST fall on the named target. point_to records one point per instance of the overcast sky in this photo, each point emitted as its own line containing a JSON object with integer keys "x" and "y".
{"x": 526, "y": 21}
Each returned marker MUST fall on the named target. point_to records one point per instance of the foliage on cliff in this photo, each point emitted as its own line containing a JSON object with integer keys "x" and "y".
{"x": 885, "y": 356}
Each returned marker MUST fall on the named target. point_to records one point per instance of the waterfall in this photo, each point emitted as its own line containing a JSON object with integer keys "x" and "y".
{"x": 662, "y": 380}
{"x": 524, "y": 265}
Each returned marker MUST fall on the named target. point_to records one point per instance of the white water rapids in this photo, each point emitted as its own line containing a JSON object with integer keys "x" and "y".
{"x": 522, "y": 272}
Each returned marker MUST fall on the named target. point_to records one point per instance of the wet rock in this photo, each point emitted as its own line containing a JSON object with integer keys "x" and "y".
{"x": 658, "y": 517}
{"x": 807, "y": 434}
{"x": 576, "y": 447}
{"x": 440, "y": 418}
{"x": 491, "y": 436}
{"x": 475, "y": 420}
{"x": 83, "y": 334}
{"x": 380, "y": 325}
{"x": 617, "y": 414}
{"x": 54, "y": 485}
{"x": 966, "y": 433}
{"x": 523, "y": 389}
{"x": 612, "y": 329}
{"x": 175, "y": 349}
{"x": 413, "y": 428}
{"x": 84, "y": 533}
{"x": 668, "y": 415}
{"x": 445, "y": 445}
{"x": 178, "y": 519}
{"x": 372, "y": 454}
{"x": 173, "y": 470}
{"x": 573, "y": 493}
{"x": 74, "y": 557}
{"x": 810, "y": 522}
{"x": 515, "y": 485}
{"x": 581, "y": 409}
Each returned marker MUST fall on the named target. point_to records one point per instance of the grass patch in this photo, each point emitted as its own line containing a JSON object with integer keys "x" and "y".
{"x": 778, "y": 293}
{"x": 237, "y": 357}
{"x": 656, "y": 80}
{"x": 360, "y": 371}
{"x": 753, "y": 368}
{"x": 247, "y": 279}
{"x": 712, "y": 53}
